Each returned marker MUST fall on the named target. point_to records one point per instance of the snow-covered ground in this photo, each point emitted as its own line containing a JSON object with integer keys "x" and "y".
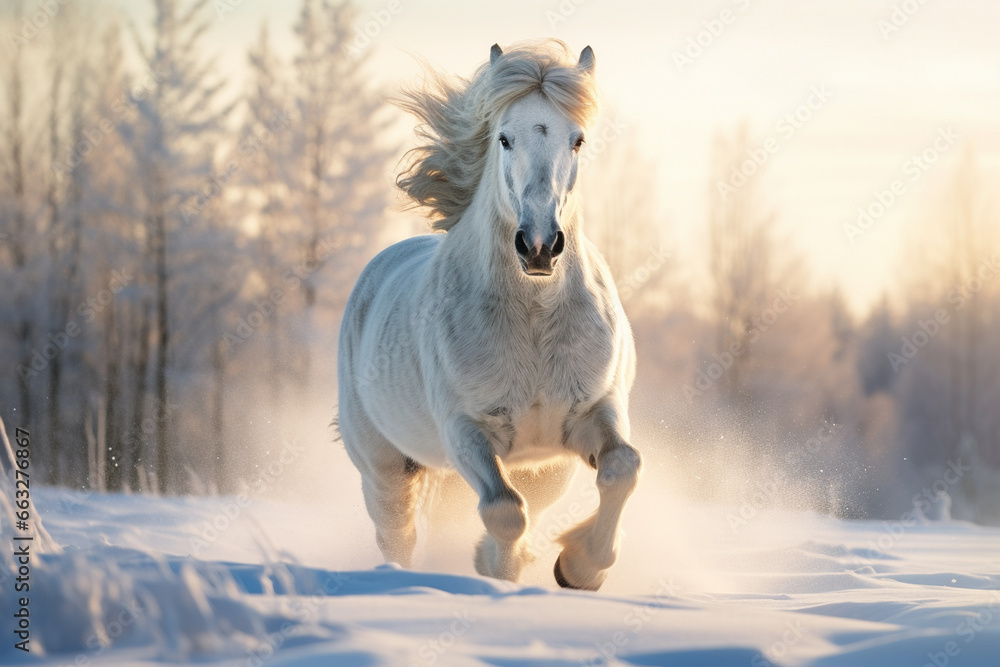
{"x": 244, "y": 581}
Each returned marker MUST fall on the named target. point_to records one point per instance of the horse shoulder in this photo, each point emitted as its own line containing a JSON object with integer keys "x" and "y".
{"x": 608, "y": 349}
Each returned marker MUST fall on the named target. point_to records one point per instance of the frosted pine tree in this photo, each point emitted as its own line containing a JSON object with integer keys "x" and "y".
{"x": 340, "y": 179}
{"x": 175, "y": 136}
{"x": 265, "y": 151}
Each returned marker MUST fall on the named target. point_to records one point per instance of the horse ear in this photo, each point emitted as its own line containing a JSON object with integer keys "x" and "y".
{"x": 587, "y": 60}
{"x": 495, "y": 53}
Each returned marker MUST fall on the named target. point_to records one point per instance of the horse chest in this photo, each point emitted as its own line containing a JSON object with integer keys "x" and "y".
{"x": 512, "y": 366}
{"x": 526, "y": 383}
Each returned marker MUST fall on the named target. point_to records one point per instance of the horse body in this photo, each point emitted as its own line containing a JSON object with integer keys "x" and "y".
{"x": 502, "y": 353}
{"x": 457, "y": 352}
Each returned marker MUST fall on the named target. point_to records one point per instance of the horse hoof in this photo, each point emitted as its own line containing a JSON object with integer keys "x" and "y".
{"x": 560, "y": 579}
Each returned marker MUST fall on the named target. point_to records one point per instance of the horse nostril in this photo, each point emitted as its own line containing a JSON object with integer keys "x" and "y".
{"x": 558, "y": 246}
{"x": 520, "y": 245}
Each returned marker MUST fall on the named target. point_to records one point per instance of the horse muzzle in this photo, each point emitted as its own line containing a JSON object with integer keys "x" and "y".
{"x": 539, "y": 259}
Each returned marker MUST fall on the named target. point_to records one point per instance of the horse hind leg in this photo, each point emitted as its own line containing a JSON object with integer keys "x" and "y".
{"x": 391, "y": 483}
{"x": 391, "y": 497}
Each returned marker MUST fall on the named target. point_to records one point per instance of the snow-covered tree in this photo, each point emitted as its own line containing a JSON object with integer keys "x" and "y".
{"x": 17, "y": 208}
{"x": 341, "y": 172}
{"x": 132, "y": 214}
{"x": 743, "y": 267}
{"x": 174, "y": 140}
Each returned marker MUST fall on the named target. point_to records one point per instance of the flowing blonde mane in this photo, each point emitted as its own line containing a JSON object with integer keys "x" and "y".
{"x": 458, "y": 118}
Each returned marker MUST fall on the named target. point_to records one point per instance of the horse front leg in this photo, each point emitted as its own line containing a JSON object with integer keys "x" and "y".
{"x": 591, "y": 547}
{"x": 502, "y": 552}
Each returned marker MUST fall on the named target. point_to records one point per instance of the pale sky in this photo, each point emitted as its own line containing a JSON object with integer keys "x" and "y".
{"x": 889, "y": 97}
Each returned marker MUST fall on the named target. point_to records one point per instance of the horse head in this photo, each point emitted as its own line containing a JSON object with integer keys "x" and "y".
{"x": 537, "y": 154}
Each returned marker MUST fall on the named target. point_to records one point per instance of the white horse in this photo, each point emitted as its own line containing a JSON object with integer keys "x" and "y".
{"x": 499, "y": 349}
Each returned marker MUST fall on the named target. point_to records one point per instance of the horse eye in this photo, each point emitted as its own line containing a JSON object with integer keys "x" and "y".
{"x": 504, "y": 142}
{"x": 578, "y": 144}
